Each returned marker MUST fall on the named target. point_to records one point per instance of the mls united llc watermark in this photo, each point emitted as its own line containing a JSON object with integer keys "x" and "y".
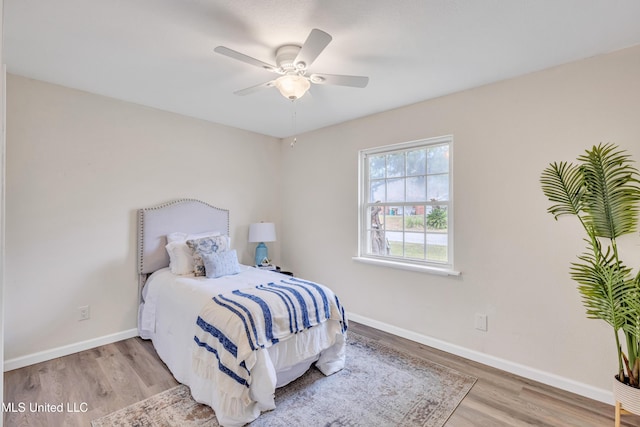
{"x": 33, "y": 407}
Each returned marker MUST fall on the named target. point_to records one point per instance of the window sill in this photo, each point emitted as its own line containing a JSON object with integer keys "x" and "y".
{"x": 407, "y": 266}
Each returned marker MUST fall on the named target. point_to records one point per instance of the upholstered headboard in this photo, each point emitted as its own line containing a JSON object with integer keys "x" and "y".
{"x": 185, "y": 215}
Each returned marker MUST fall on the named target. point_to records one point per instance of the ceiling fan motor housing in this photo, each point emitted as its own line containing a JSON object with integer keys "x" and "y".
{"x": 285, "y": 57}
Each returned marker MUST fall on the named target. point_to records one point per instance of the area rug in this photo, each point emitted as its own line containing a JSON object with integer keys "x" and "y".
{"x": 379, "y": 386}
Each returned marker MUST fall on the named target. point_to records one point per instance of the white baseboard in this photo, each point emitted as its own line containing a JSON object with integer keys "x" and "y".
{"x": 554, "y": 380}
{"x": 43, "y": 356}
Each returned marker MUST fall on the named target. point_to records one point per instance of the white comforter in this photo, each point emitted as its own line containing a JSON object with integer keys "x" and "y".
{"x": 171, "y": 305}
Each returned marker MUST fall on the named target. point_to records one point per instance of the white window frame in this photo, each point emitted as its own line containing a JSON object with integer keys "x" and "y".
{"x": 434, "y": 267}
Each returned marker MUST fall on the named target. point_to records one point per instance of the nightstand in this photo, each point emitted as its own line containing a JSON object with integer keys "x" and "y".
{"x": 276, "y": 269}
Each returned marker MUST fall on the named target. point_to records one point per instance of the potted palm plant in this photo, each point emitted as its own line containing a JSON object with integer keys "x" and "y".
{"x": 602, "y": 191}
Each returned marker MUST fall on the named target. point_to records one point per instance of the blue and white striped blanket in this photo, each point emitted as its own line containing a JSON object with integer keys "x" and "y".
{"x": 232, "y": 326}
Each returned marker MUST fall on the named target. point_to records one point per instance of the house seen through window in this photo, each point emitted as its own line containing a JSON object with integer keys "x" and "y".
{"x": 406, "y": 210}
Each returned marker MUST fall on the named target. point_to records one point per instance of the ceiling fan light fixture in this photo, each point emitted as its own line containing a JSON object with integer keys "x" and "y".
{"x": 292, "y": 86}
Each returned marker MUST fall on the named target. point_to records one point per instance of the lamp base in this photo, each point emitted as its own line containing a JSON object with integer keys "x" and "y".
{"x": 261, "y": 253}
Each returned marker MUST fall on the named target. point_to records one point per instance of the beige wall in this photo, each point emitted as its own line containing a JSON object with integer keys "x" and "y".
{"x": 79, "y": 165}
{"x": 513, "y": 256}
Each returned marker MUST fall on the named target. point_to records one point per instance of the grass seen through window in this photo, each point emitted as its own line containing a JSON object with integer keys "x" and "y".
{"x": 416, "y": 250}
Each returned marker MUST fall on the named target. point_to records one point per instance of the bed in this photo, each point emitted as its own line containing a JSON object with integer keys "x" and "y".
{"x": 236, "y": 336}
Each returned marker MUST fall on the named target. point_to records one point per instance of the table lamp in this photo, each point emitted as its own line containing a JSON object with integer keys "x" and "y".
{"x": 261, "y": 232}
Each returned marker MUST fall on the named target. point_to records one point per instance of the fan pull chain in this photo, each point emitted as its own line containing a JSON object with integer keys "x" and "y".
{"x": 294, "y": 122}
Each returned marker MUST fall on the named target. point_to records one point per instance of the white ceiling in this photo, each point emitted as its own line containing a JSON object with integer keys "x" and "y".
{"x": 159, "y": 53}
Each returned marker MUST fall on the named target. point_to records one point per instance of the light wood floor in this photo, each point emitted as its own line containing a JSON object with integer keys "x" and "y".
{"x": 113, "y": 376}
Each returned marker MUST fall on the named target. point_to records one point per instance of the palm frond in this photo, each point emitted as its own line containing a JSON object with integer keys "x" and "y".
{"x": 604, "y": 284}
{"x": 563, "y": 184}
{"x": 612, "y": 191}
{"x": 602, "y": 289}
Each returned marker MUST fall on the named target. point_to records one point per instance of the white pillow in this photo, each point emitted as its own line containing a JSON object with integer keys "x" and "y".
{"x": 180, "y": 258}
{"x": 177, "y": 237}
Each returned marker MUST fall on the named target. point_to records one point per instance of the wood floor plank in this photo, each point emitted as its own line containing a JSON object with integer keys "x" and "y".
{"x": 466, "y": 416}
{"x": 140, "y": 360}
{"x": 117, "y": 375}
{"x": 122, "y": 378}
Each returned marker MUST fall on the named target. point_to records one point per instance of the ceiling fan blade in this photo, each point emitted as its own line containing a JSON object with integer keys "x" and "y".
{"x": 335, "y": 79}
{"x": 255, "y": 88}
{"x": 312, "y": 47}
{"x": 244, "y": 58}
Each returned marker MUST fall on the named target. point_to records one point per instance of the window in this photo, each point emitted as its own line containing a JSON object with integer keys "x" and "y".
{"x": 405, "y": 205}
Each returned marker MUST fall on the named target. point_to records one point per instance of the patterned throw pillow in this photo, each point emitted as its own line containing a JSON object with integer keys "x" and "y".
{"x": 221, "y": 264}
{"x": 206, "y": 246}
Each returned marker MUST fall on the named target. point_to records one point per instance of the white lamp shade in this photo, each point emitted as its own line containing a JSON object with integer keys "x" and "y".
{"x": 292, "y": 86}
{"x": 262, "y": 232}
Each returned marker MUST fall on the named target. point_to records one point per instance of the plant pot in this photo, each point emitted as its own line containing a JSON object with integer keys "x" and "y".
{"x": 627, "y": 398}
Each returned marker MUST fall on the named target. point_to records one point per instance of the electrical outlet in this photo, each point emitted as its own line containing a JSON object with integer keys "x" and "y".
{"x": 481, "y": 322}
{"x": 83, "y": 313}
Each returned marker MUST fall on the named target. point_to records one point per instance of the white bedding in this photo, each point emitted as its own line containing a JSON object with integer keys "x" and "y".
{"x": 167, "y": 316}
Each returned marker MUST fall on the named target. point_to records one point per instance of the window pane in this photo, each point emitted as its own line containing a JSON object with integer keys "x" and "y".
{"x": 414, "y": 247}
{"x": 376, "y": 217}
{"x": 395, "y": 190}
{"x": 395, "y": 248}
{"x": 416, "y": 189}
{"x": 396, "y": 244}
{"x": 376, "y": 167}
{"x": 437, "y": 247}
{"x": 438, "y": 187}
{"x": 437, "y": 218}
{"x": 417, "y": 162}
{"x": 438, "y": 159}
{"x": 395, "y": 165}
{"x": 377, "y": 191}
{"x": 393, "y": 220}
{"x": 376, "y": 239}
{"x": 414, "y": 218}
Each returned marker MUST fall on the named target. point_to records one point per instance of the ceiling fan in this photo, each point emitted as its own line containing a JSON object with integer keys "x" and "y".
{"x": 292, "y": 63}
